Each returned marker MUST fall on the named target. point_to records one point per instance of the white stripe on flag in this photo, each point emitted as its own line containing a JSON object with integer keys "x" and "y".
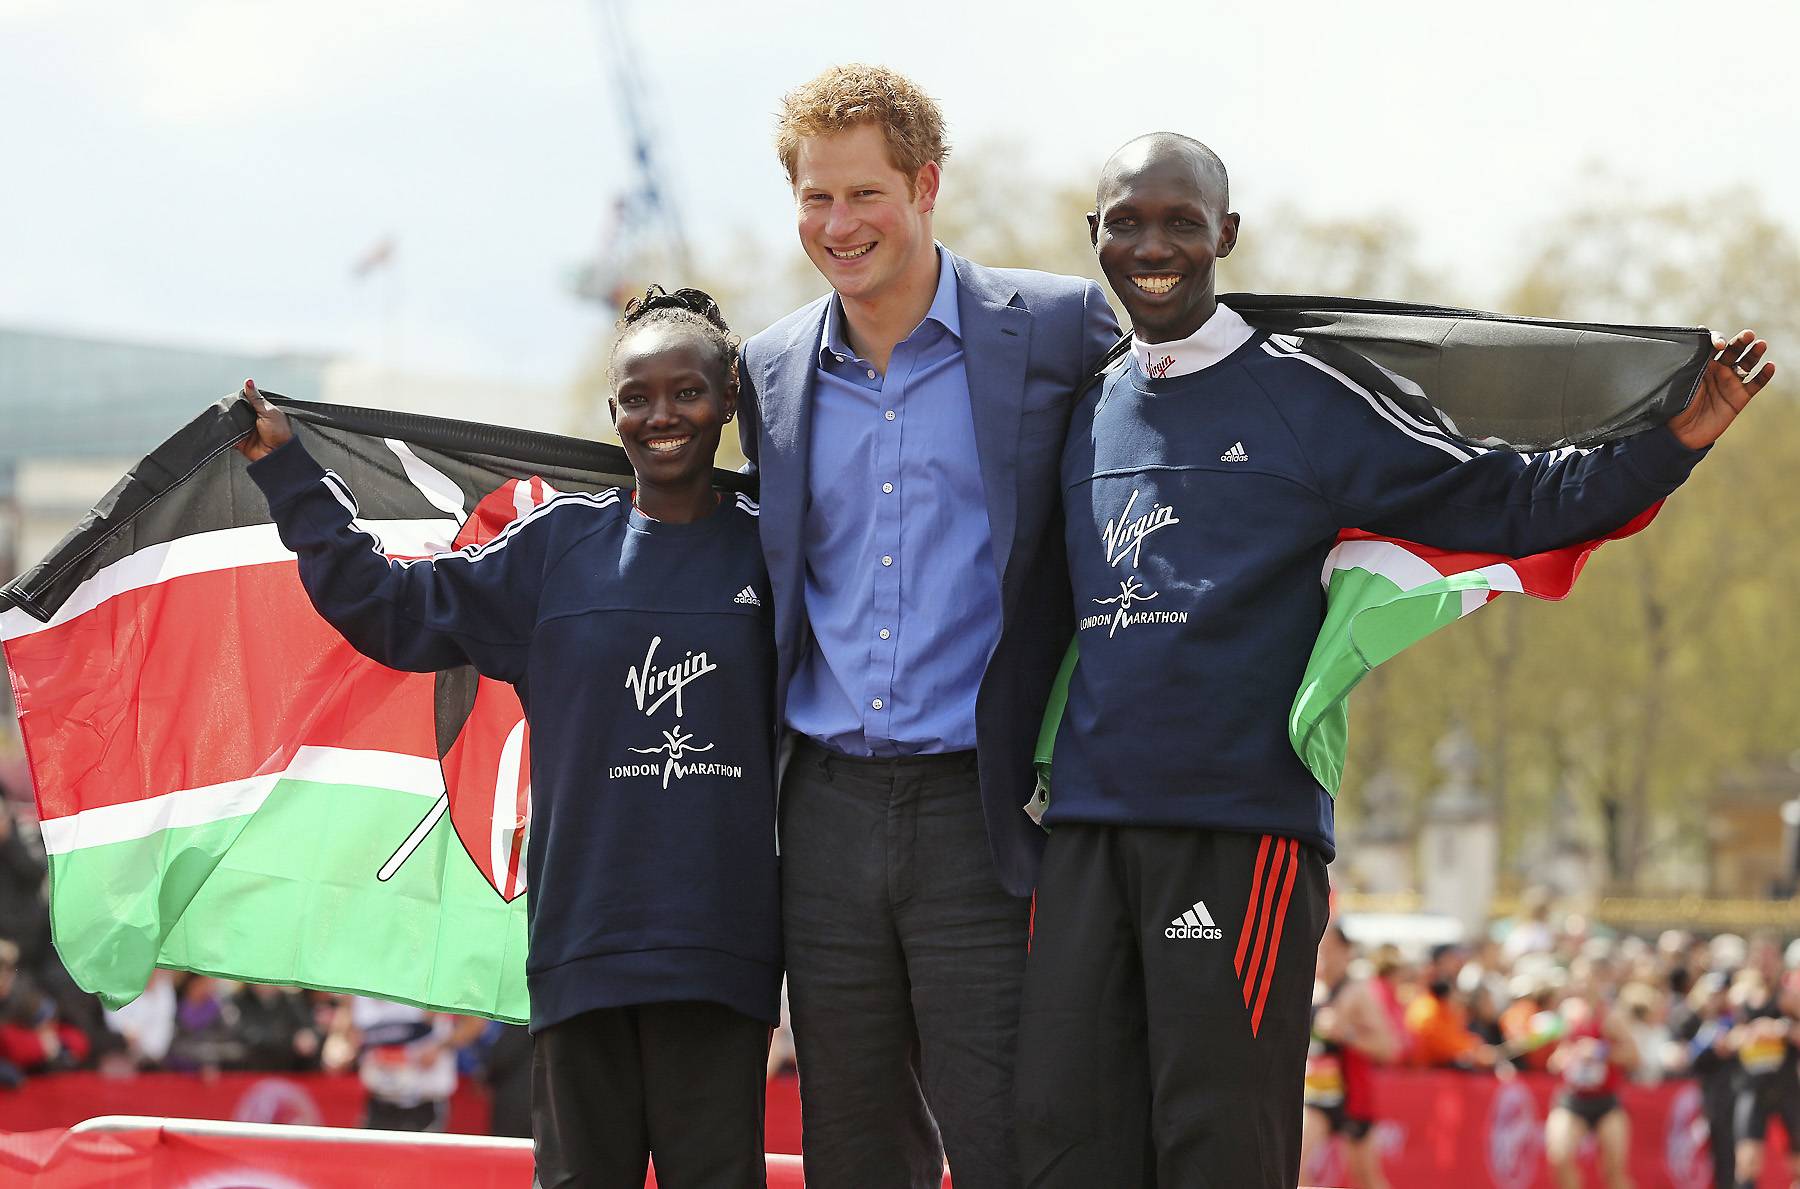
{"x": 203, "y": 553}
{"x": 1409, "y": 571}
{"x": 439, "y": 490}
{"x": 1502, "y": 577}
{"x": 237, "y": 798}
{"x": 1398, "y": 565}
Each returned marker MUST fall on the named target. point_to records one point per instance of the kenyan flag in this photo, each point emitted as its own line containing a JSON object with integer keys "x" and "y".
{"x": 1384, "y": 595}
{"x": 225, "y": 785}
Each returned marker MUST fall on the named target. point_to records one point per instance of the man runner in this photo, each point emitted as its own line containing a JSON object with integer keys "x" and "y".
{"x": 1203, "y": 485}
{"x": 1351, "y": 1034}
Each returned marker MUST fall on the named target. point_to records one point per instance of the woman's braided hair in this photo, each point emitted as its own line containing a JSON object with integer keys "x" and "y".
{"x": 684, "y": 307}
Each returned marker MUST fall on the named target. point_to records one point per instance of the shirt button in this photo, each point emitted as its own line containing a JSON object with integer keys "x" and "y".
{"x": 876, "y": 703}
{"x": 890, "y": 414}
{"x": 887, "y": 489}
{"x": 884, "y": 633}
{"x": 840, "y": 359}
{"x": 871, "y": 373}
{"x": 887, "y": 559}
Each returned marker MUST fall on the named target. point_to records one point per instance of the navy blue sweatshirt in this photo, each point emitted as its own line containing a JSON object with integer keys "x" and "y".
{"x": 1199, "y": 511}
{"x": 644, "y": 656}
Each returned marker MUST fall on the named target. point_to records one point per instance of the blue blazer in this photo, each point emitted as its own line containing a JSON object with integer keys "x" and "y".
{"x": 1029, "y": 340}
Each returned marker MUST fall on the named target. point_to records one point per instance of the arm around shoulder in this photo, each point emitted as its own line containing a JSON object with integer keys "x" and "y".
{"x": 1099, "y": 329}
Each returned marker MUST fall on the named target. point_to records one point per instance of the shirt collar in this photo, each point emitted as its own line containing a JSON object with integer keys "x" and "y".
{"x": 943, "y": 311}
{"x": 1217, "y": 337}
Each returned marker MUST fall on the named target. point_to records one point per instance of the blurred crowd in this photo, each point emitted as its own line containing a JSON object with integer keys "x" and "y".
{"x": 1505, "y": 1001}
{"x": 1549, "y": 992}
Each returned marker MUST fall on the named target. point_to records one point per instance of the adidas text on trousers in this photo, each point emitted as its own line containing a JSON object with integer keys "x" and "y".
{"x": 1163, "y": 1036}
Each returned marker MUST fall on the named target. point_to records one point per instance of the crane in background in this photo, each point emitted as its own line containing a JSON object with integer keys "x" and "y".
{"x": 645, "y": 221}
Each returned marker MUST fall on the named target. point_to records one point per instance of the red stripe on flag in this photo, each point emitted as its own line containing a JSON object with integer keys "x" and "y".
{"x": 1549, "y": 575}
{"x": 1262, "y": 918}
{"x": 196, "y": 681}
{"x": 1256, "y": 875}
{"x": 1268, "y": 975}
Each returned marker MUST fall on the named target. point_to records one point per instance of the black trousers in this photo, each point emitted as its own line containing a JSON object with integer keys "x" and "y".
{"x": 1164, "y": 1031}
{"x": 680, "y": 1082}
{"x": 1718, "y": 1100}
{"x": 905, "y": 959}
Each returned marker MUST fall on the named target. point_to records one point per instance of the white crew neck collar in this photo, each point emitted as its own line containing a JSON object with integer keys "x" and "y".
{"x": 1217, "y": 337}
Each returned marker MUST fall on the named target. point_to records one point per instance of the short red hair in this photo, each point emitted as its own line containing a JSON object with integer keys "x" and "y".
{"x": 846, "y": 97}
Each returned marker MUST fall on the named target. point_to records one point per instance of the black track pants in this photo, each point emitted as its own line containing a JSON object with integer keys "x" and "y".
{"x": 1164, "y": 1030}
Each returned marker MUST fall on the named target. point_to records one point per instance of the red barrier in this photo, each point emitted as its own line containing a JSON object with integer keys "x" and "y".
{"x": 1436, "y": 1128}
{"x": 257, "y": 1156}
{"x": 1476, "y": 1132}
{"x": 62, "y": 1100}
{"x": 120, "y": 1151}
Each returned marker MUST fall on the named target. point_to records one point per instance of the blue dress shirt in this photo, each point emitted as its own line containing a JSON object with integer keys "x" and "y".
{"x": 901, "y": 589}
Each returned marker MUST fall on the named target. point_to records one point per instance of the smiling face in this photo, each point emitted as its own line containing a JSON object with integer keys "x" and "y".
{"x": 671, "y": 395}
{"x": 864, "y": 223}
{"x": 1159, "y": 225}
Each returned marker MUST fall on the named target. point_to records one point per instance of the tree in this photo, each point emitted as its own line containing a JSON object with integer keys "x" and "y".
{"x": 1671, "y": 664}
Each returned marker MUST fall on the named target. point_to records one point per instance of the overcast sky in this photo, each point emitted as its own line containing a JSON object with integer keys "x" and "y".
{"x": 205, "y": 171}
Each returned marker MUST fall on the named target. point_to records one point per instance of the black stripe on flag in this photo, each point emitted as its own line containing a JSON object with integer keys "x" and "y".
{"x": 195, "y": 482}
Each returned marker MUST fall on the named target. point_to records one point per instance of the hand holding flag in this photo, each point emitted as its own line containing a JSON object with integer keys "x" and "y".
{"x": 1732, "y": 377}
{"x": 272, "y": 431}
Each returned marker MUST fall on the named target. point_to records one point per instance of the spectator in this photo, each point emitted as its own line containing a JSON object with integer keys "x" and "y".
{"x": 206, "y": 1036}
{"x": 1523, "y": 1028}
{"x": 1705, "y": 1030}
{"x": 406, "y": 1058}
{"x": 147, "y": 1023}
{"x": 275, "y": 1025}
{"x": 1440, "y": 1033}
{"x": 505, "y": 1068}
{"x": 24, "y": 918}
{"x": 33, "y": 1037}
{"x": 1531, "y": 933}
{"x": 1644, "y": 1012}
{"x": 1388, "y": 967}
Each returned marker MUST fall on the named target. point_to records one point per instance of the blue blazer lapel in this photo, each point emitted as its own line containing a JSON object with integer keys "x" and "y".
{"x": 784, "y": 387}
{"x": 996, "y": 350}
{"x": 784, "y": 379}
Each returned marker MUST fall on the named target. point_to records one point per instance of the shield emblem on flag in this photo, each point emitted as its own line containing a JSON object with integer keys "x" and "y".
{"x": 483, "y": 741}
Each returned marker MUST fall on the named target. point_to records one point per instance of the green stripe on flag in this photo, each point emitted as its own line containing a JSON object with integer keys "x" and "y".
{"x": 1369, "y": 619}
{"x": 289, "y": 895}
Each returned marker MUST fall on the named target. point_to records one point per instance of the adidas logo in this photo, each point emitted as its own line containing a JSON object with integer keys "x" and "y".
{"x": 1196, "y": 922}
{"x": 747, "y": 597}
{"x": 1235, "y": 454}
